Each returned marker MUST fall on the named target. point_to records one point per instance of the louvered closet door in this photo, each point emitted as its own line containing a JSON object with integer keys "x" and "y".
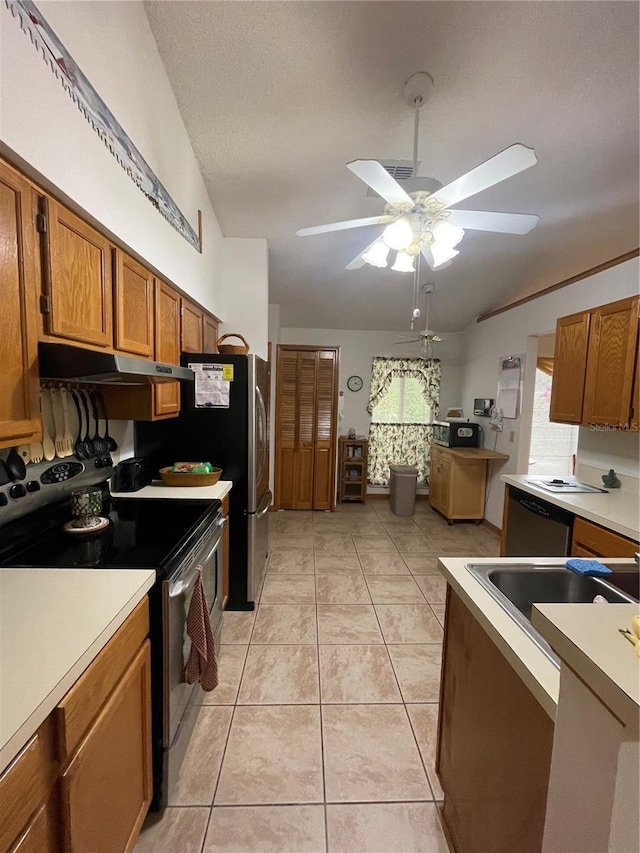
{"x": 304, "y": 474}
{"x": 325, "y": 441}
{"x": 287, "y": 392}
{"x": 306, "y": 414}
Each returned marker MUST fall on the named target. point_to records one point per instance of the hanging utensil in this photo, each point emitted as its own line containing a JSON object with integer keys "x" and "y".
{"x": 88, "y": 443}
{"x": 36, "y": 451}
{"x": 79, "y": 447}
{"x": 48, "y": 447}
{"x": 112, "y": 444}
{"x": 67, "y": 437}
{"x": 15, "y": 465}
{"x": 24, "y": 453}
{"x": 56, "y": 408}
{"x": 99, "y": 444}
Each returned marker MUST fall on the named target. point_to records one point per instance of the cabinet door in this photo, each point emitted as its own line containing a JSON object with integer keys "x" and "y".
{"x": 286, "y": 417}
{"x": 446, "y": 492}
{"x": 611, "y": 363}
{"x": 79, "y": 282}
{"x": 569, "y": 368}
{"x": 210, "y": 336}
{"x": 36, "y": 837}
{"x": 166, "y": 396}
{"x": 19, "y": 409}
{"x": 106, "y": 789}
{"x": 133, "y": 293}
{"x": 192, "y": 327}
{"x": 324, "y": 463}
{"x": 635, "y": 398}
{"x": 435, "y": 479}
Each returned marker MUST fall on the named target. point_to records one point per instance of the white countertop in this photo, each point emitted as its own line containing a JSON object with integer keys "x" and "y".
{"x": 157, "y": 489}
{"x": 586, "y": 637}
{"x": 618, "y": 509}
{"x": 53, "y": 623}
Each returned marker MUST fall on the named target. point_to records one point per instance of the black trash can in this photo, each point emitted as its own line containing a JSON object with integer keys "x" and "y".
{"x": 404, "y": 479}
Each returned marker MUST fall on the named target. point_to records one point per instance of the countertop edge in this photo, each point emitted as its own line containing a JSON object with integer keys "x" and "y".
{"x": 598, "y": 680}
{"x": 564, "y": 501}
{"x": 156, "y": 490}
{"x": 518, "y": 649}
{"x": 17, "y": 741}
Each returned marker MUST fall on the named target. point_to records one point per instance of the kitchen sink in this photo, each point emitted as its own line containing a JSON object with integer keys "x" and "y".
{"x": 517, "y": 587}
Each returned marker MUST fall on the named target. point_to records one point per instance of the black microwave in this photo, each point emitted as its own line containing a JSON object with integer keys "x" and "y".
{"x": 455, "y": 434}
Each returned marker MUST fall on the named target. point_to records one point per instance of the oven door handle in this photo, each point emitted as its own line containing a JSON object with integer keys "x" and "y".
{"x": 181, "y": 586}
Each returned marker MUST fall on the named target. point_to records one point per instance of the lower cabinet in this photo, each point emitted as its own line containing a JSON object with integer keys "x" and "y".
{"x": 457, "y": 481}
{"x": 590, "y": 540}
{"x": 494, "y": 744}
{"x": 83, "y": 783}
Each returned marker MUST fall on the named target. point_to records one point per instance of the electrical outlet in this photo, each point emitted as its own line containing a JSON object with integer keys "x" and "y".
{"x": 511, "y": 434}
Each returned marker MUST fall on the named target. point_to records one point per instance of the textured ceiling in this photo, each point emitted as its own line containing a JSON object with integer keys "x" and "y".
{"x": 278, "y": 96}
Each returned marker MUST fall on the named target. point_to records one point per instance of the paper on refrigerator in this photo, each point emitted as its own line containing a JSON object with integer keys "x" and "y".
{"x": 211, "y": 390}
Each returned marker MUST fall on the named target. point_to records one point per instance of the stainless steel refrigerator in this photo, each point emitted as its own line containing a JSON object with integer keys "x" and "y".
{"x": 235, "y": 438}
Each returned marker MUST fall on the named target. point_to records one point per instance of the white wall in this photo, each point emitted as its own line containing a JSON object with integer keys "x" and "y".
{"x": 357, "y": 348}
{"x": 515, "y": 332}
{"x": 245, "y": 279}
{"x": 113, "y": 44}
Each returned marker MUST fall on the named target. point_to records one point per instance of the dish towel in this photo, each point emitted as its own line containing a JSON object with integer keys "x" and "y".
{"x": 202, "y": 665}
{"x": 587, "y": 567}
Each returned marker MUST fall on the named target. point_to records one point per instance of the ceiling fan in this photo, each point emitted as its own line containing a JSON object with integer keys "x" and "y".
{"x": 425, "y": 337}
{"x": 422, "y": 221}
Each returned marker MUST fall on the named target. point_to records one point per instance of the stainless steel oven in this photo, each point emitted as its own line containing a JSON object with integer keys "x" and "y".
{"x": 180, "y": 699}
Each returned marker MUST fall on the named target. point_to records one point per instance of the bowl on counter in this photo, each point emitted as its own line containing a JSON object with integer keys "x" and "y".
{"x": 172, "y": 478}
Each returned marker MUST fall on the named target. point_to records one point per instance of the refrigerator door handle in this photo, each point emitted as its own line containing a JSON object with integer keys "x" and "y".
{"x": 266, "y": 498}
{"x": 263, "y": 434}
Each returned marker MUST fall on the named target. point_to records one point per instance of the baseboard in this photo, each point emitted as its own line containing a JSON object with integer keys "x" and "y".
{"x": 492, "y": 527}
{"x": 375, "y": 496}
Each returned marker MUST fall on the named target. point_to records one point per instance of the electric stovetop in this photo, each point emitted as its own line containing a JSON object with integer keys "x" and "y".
{"x": 141, "y": 534}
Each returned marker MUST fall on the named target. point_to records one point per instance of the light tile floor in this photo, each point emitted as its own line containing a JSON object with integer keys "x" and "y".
{"x": 321, "y": 735}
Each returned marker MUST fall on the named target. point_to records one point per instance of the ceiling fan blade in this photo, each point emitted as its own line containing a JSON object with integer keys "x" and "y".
{"x": 408, "y": 341}
{"x": 359, "y": 261}
{"x": 484, "y": 220}
{"x": 427, "y": 254}
{"x": 377, "y": 177}
{"x": 343, "y": 226}
{"x": 504, "y": 165}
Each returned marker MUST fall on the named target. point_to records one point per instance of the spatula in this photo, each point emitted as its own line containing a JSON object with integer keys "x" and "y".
{"x": 48, "y": 447}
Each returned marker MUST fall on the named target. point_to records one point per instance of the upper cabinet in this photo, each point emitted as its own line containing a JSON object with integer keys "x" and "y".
{"x": 166, "y": 396}
{"x": 210, "y": 334}
{"x": 133, "y": 298}
{"x": 595, "y": 372}
{"x": 569, "y": 368}
{"x": 78, "y": 280}
{"x": 192, "y": 327}
{"x": 19, "y": 407}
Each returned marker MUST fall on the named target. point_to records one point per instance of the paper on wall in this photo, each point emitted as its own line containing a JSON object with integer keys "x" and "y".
{"x": 509, "y": 385}
{"x": 212, "y": 391}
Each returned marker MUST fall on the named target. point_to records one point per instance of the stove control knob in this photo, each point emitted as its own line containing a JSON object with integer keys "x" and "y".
{"x": 17, "y": 491}
{"x": 3, "y": 500}
{"x": 33, "y": 486}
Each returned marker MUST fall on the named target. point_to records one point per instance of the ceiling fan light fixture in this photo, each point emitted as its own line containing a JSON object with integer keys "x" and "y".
{"x": 403, "y": 262}
{"x": 398, "y": 235}
{"x": 447, "y": 235}
{"x": 377, "y": 255}
{"x": 441, "y": 254}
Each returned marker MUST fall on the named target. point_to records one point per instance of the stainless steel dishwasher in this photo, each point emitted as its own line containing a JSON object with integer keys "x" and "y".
{"x": 536, "y": 528}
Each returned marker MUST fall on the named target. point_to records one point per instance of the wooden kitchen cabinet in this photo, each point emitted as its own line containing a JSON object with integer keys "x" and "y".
{"x": 210, "y": 334}
{"x": 569, "y": 368}
{"x": 595, "y": 372}
{"x": 77, "y": 278}
{"x": 192, "y": 327}
{"x": 133, "y": 298}
{"x": 106, "y": 789}
{"x": 590, "y": 540}
{"x": 457, "y": 481}
{"x": 19, "y": 382}
{"x": 494, "y": 744}
{"x": 83, "y": 782}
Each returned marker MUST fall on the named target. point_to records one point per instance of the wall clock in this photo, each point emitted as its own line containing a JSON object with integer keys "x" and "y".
{"x": 354, "y": 383}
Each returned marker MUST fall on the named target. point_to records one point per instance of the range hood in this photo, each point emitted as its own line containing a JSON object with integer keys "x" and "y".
{"x": 64, "y": 362}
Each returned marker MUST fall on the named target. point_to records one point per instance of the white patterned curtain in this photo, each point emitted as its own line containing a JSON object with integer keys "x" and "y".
{"x": 401, "y": 443}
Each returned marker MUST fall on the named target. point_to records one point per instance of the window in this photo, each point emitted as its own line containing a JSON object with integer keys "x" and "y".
{"x": 404, "y": 403}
